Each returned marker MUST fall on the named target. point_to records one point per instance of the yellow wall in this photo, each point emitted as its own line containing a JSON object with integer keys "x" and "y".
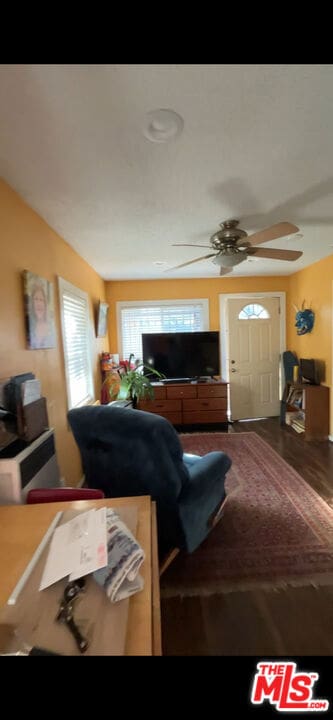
{"x": 314, "y": 285}
{"x": 28, "y": 243}
{"x": 171, "y": 289}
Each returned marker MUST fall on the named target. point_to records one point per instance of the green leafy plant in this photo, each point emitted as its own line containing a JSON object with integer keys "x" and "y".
{"x": 134, "y": 385}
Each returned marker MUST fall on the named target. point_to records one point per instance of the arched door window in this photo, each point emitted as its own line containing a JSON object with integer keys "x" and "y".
{"x": 254, "y": 311}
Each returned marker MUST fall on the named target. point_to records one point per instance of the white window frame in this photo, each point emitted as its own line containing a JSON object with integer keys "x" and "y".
{"x": 157, "y": 303}
{"x": 65, "y": 286}
{"x": 254, "y": 316}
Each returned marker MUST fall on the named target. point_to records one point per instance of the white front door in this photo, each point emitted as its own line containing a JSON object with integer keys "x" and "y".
{"x": 253, "y": 356}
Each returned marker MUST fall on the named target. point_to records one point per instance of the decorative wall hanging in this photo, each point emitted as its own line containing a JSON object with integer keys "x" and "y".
{"x": 39, "y": 311}
{"x": 102, "y": 319}
{"x": 304, "y": 319}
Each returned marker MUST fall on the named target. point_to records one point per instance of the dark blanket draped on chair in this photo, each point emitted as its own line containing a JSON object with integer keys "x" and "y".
{"x": 128, "y": 452}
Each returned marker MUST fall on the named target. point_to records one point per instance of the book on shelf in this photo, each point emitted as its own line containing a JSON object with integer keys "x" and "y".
{"x": 295, "y": 397}
{"x": 298, "y": 424}
{"x": 297, "y": 429}
{"x": 299, "y": 415}
{"x": 295, "y": 416}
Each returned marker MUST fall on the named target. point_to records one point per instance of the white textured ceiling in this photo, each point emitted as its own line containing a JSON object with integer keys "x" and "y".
{"x": 256, "y": 145}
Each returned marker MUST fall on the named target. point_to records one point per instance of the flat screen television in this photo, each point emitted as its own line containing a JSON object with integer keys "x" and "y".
{"x": 182, "y": 355}
{"x": 309, "y": 370}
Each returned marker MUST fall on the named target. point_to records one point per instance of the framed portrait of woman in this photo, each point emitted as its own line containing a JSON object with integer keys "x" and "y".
{"x": 102, "y": 319}
{"x": 39, "y": 311}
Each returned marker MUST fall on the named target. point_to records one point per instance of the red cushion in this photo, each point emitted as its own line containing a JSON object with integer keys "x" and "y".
{"x": 47, "y": 495}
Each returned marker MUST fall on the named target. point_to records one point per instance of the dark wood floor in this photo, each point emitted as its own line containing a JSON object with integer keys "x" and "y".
{"x": 295, "y": 621}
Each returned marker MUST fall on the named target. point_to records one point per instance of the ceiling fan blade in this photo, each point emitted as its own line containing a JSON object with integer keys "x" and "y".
{"x": 225, "y": 270}
{"x": 271, "y": 233}
{"x": 203, "y": 257}
{"x": 274, "y": 254}
{"x": 189, "y": 245}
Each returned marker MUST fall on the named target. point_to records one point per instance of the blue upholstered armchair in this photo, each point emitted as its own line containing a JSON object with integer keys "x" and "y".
{"x": 130, "y": 452}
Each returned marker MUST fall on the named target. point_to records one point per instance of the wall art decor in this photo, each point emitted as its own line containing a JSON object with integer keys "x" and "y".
{"x": 304, "y": 319}
{"x": 39, "y": 311}
{"x": 102, "y": 319}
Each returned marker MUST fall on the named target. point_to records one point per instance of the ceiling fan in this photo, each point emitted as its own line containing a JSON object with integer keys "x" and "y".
{"x": 231, "y": 245}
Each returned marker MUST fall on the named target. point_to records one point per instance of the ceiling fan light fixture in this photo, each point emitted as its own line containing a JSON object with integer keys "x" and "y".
{"x": 229, "y": 260}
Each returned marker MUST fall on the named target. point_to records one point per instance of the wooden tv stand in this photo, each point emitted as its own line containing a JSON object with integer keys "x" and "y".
{"x": 191, "y": 403}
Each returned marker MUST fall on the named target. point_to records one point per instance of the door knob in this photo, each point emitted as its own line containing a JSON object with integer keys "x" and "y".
{"x": 233, "y": 370}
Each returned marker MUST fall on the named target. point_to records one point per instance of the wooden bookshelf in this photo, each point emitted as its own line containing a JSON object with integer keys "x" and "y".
{"x": 307, "y": 410}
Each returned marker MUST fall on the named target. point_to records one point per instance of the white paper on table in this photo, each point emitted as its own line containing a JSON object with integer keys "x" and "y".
{"x": 92, "y": 553}
{"x": 77, "y": 546}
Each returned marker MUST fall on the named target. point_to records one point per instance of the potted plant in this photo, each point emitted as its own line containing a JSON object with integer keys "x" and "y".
{"x": 134, "y": 385}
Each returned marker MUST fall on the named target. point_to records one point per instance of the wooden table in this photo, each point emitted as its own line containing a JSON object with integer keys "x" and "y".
{"x": 22, "y": 528}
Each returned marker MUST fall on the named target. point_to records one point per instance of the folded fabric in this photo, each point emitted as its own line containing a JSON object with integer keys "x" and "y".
{"x": 120, "y": 577}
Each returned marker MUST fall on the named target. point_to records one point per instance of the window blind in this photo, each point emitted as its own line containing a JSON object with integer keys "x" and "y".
{"x": 75, "y": 331}
{"x": 157, "y": 318}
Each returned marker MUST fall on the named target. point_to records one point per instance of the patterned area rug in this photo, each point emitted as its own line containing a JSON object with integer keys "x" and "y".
{"x": 275, "y": 530}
